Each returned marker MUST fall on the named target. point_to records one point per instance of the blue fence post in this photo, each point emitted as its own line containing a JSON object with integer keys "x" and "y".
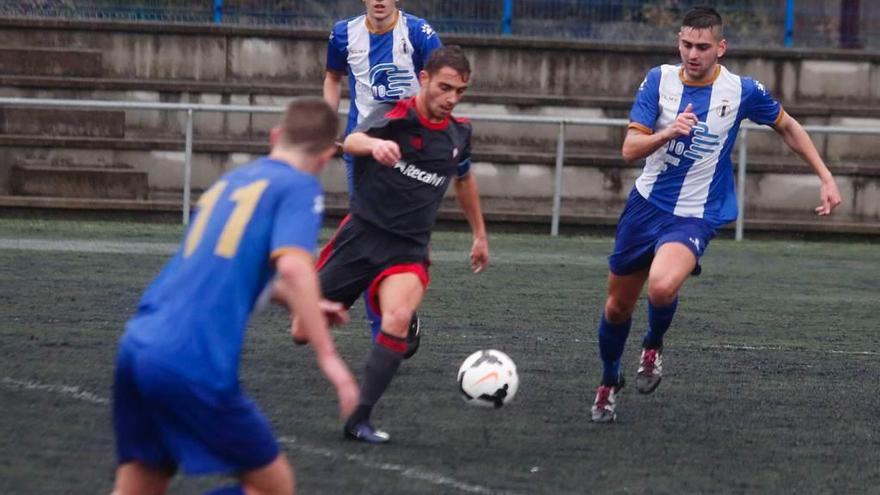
{"x": 218, "y": 11}
{"x": 507, "y": 18}
{"x": 789, "y": 23}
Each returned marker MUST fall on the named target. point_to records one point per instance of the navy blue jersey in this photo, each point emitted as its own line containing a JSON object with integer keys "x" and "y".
{"x": 404, "y": 199}
{"x": 194, "y": 315}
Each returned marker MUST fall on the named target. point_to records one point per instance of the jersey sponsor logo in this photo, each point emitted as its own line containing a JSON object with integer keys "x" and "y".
{"x": 413, "y": 172}
{"x": 389, "y": 82}
{"x": 703, "y": 142}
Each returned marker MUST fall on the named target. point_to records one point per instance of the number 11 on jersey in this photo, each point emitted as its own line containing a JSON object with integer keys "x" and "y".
{"x": 245, "y": 199}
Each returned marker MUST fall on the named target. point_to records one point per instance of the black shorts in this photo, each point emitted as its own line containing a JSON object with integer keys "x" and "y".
{"x": 359, "y": 256}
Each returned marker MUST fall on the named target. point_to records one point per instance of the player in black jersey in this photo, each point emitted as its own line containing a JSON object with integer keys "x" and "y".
{"x": 406, "y": 154}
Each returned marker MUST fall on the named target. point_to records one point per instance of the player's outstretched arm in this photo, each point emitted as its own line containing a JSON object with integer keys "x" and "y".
{"x": 638, "y": 144}
{"x": 361, "y": 144}
{"x": 468, "y": 194}
{"x": 796, "y": 138}
{"x": 296, "y": 269}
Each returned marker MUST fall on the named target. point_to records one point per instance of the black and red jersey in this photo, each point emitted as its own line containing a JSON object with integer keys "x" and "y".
{"x": 404, "y": 199}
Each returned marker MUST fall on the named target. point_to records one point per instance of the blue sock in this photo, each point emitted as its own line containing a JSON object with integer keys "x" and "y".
{"x": 612, "y": 339}
{"x": 659, "y": 319}
{"x": 227, "y": 490}
{"x": 373, "y": 319}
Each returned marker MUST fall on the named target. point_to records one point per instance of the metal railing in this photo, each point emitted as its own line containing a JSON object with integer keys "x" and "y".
{"x": 562, "y": 122}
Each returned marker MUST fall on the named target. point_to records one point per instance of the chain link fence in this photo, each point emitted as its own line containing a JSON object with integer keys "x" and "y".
{"x": 749, "y": 23}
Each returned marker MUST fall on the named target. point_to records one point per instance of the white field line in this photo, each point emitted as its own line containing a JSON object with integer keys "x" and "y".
{"x": 746, "y": 347}
{"x": 65, "y": 390}
{"x": 164, "y": 248}
{"x": 405, "y": 471}
{"x": 410, "y": 472}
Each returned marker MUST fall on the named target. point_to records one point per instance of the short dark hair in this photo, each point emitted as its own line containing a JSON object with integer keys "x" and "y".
{"x": 310, "y": 123}
{"x": 703, "y": 18}
{"x": 451, "y": 56}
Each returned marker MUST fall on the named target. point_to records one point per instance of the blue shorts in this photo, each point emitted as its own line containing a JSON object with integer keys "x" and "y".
{"x": 164, "y": 420}
{"x": 643, "y": 228}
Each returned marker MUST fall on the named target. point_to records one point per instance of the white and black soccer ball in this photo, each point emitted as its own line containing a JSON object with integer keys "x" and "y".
{"x": 488, "y": 378}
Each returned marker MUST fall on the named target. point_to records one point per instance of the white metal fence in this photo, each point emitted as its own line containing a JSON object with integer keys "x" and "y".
{"x": 561, "y": 122}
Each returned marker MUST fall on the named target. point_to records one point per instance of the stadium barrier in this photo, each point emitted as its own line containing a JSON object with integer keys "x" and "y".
{"x": 850, "y": 24}
{"x": 561, "y": 122}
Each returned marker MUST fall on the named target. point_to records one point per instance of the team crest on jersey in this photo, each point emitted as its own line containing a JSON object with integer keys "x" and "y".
{"x": 416, "y": 142}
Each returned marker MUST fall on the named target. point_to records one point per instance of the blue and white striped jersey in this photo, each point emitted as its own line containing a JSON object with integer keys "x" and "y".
{"x": 381, "y": 66}
{"x": 692, "y": 176}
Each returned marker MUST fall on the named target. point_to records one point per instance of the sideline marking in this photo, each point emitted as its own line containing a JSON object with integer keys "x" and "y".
{"x": 407, "y": 472}
{"x": 165, "y": 248}
{"x": 67, "y": 390}
{"x": 414, "y": 473}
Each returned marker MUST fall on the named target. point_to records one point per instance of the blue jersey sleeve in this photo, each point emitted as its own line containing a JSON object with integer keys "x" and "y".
{"x": 761, "y": 107}
{"x": 646, "y": 108}
{"x": 337, "y": 48}
{"x": 424, "y": 40}
{"x": 298, "y": 218}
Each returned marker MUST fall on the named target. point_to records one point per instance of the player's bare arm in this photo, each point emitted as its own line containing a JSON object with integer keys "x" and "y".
{"x": 638, "y": 144}
{"x": 360, "y": 144}
{"x": 796, "y": 138}
{"x": 296, "y": 269}
{"x": 468, "y": 194}
{"x": 333, "y": 88}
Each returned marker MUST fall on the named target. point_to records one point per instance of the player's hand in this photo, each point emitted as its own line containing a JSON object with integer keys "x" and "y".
{"x": 386, "y": 152}
{"x": 830, "y": 196}
{"x": 347, "y": 391}
{"x": 335, "y": 312}
{"x": 479, "y": 254}
{"x": 684, "y": 123}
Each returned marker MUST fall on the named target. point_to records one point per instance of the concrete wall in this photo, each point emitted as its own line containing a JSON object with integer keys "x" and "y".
{"x": 536, "y": 77}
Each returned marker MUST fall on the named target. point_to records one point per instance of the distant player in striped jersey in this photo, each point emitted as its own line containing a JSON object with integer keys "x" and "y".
{"x": 382, "y": 52}
{"x": 684, "y": 122}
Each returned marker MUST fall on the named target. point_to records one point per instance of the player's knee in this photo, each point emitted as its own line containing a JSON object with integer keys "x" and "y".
{"x": 662, "y": 292}
{"x": 396, "y": 321}
{"x": 617, "y": 310}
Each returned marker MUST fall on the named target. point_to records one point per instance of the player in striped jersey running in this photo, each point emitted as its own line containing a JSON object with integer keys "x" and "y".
{"x": 683, "y": 123}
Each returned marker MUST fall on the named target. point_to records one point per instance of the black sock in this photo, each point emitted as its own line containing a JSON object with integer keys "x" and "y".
{"x": 382, "y": 363}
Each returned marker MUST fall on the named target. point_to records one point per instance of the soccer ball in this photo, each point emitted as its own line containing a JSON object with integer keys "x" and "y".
{"x": 488, "y": 378}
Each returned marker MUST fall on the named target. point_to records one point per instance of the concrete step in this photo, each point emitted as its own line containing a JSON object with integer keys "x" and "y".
{"x": 62, "y": 122}
{"x": 594, "y": 157}
{"x": 58, "y": 62}
{"x": 79, "y": 182}
{"x": 95, "y": 88}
